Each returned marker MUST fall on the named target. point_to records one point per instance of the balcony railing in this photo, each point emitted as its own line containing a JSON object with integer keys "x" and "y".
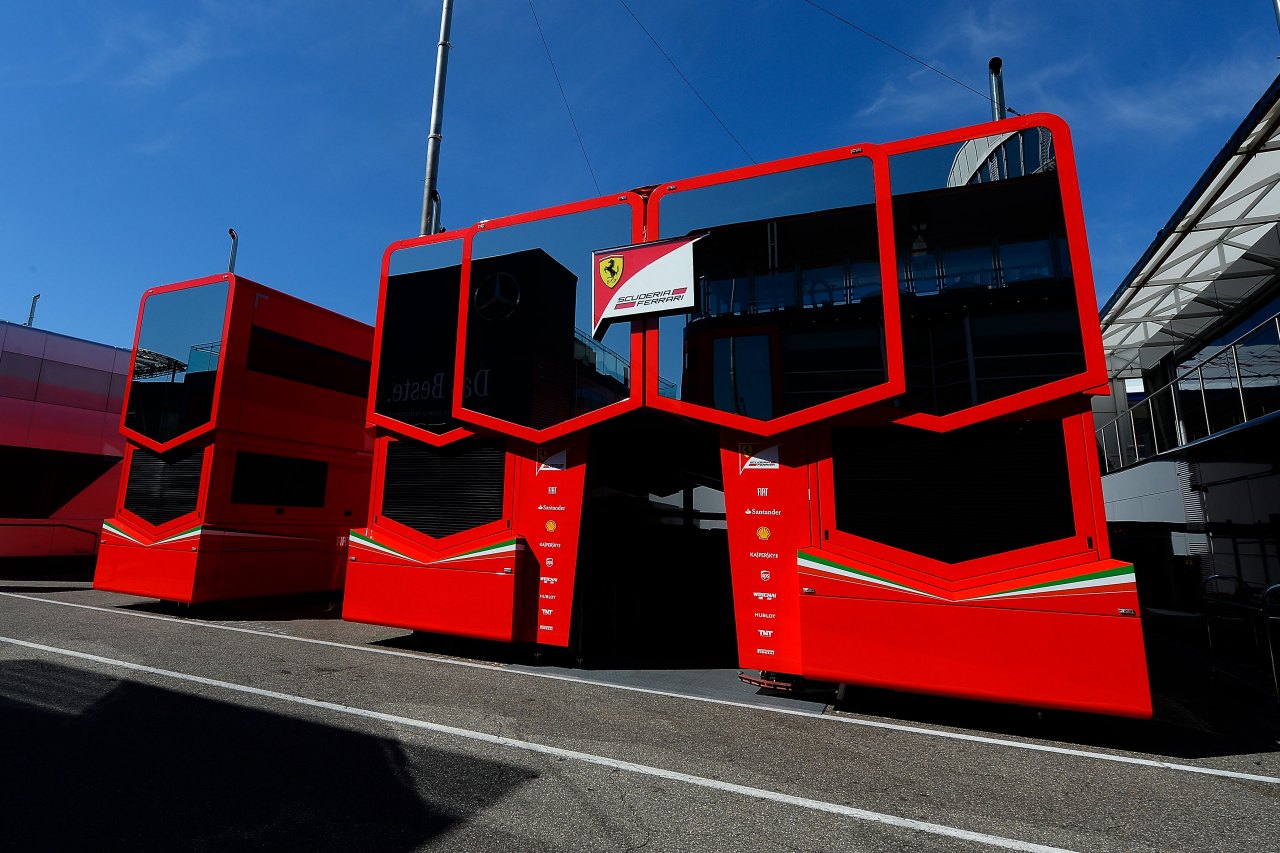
{"x": 1240, "y": 383}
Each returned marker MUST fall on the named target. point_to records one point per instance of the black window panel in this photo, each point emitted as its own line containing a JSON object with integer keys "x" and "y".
{"x": 287, "y": 357}
{"x": 954, "y": 496}
{"x": 268, "y": 480}
{"x": 790, "y": 314}
{"x": 161, "y": 488}
{"x": 37, "y": 482}
{"x": 987, "y": 328}
{"x": 440, "y": 491}
{"x": 419, "y": 340}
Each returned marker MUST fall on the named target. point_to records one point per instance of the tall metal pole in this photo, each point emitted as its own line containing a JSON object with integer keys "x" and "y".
{"x": 429, "y": 194}
{"x": 31, "y": 317}
{"x": 997, "y": 87}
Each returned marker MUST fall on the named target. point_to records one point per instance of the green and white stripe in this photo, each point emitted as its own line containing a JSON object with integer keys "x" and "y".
{"x": 1092, "y": 580}
{"x": 111, "y": 528}
{"x": 358, "y": 538}
{"x": 508, "y": 547}
{"x": 177, "y": 537}
{"x": 1089, "y": 580}
{"x": 810, "y": 561}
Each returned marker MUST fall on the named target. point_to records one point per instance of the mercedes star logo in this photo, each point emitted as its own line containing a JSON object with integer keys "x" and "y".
{"x": 497, "y": 296}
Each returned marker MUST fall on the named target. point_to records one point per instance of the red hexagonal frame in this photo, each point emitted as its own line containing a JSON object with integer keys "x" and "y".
{"x": 209, "y": 425}
{"x": 577, "y": 422}
{"x": 1093, "y": 379}
{"x": 895, "y": 381}
{"x": 383, "y": 422}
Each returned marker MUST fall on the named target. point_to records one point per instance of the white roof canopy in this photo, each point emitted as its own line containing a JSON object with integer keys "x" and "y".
{"x": 1221, "y": 247}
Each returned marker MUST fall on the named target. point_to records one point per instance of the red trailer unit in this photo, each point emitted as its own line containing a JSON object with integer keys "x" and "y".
{"x": 897, "y": 344}
{"x": 484, "y": 377}
{"x": 247, "y": 459}
{"x": 60, "y": 444}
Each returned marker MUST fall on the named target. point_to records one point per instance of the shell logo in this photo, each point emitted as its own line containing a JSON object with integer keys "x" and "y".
{"x": 550, "y": 526}
{"x": 763, "y": 533}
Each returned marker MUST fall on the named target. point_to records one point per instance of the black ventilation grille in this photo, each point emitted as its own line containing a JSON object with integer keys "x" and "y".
{"x": 954, "y": 496}
{"x": 440, "y": 491}
{"x": 161, "y": 488}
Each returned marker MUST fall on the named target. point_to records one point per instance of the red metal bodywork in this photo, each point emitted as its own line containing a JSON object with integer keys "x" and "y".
{"x": 60, "y": 401}
{"x": 224, "y": 549}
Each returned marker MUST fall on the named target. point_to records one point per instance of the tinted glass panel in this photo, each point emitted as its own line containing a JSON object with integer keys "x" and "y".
{"x": 529, "y": 320}
{"x": 264, "y": 479}
{"x": 954, "y": 496}
{"x": 176, "y": 366}
{"x": 420, "y": 337}
{"x": 989, "y": 305}
{"x": 790, "y": 306}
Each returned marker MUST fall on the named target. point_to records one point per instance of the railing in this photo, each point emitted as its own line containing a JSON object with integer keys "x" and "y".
{"x": 1240, "y": 383}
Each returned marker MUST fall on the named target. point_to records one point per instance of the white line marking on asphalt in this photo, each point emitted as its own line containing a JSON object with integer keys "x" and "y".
{"x": 585, "y": 757}
{"x": 813, "y": 715}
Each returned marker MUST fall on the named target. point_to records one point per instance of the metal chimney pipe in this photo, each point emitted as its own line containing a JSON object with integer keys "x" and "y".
{"x": 235, "y": 241}
{"x": 997, "y": 86}
{"x": 31, "y": 317}
{"x": 429, "y": 194}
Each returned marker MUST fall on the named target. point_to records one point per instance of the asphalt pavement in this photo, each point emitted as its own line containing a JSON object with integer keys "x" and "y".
{"x": 133, "y": 725}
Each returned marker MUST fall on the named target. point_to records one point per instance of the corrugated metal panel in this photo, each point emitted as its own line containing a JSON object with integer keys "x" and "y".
{"x": 162, "y": 488}
{"x": 442, "y": 491}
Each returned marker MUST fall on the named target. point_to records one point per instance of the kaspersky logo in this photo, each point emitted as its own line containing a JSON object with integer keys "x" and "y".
{"x": 611, "y": 270}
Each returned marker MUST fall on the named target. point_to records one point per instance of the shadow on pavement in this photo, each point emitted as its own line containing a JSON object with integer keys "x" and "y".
{"x": 1178, "y": 729}
{"x": 322, "y": 605}
{"x": 95, "y": 763}
{"x": 47, "y": 569}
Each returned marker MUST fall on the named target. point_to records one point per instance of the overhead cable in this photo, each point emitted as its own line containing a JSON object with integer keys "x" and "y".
{"x": 686, "y": 80}
{"x": 556, "y": 73}
{"x": 915, "y": 59}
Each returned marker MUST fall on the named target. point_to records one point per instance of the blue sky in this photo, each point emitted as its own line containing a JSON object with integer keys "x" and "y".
{"x": 135, "y": 133}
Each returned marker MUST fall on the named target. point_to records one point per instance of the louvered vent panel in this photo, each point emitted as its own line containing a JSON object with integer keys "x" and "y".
{"x": 440, "y": 491}
{"x": 161, "y": 488}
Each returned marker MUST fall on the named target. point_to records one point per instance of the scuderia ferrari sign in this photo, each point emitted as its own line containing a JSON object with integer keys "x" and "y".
{"x": 649, "y": 278}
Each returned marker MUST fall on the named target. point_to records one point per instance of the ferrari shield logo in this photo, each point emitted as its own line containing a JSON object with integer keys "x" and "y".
{"x": 611, "y": 270}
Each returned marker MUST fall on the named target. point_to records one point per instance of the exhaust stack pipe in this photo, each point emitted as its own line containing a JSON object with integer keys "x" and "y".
{"x": 235, "y": 240}
{"x": 31, "y": 317}
{"x": 997, "y": 87}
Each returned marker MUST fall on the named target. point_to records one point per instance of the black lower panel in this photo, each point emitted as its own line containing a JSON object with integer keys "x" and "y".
{"x": 954, "y": 496}
{"x": 161, "y": 488}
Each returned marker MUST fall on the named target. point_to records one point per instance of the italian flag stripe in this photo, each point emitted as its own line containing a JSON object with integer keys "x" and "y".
{"x": 1090, "y": 580}
{"x": 809, "y": 561}
{"x": 111, "y": 528}
{"x": 365, "y": 541}
{"x": 1107, "y": 577}
{"x": 508, "y": 547}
